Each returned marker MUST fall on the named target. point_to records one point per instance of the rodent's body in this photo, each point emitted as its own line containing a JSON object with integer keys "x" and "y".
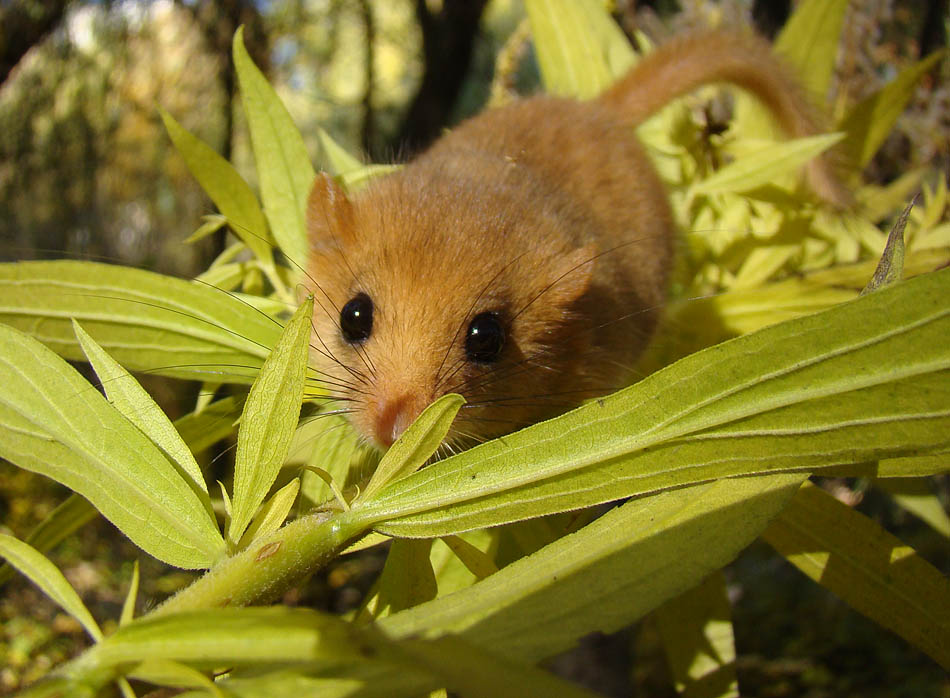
{"x": 545, "y": 215}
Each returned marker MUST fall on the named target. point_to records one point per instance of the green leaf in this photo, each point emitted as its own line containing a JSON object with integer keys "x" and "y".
{"x": 871, "y": 120}
{"x": 406, "y": 581}
{"x": 362, "y": 679}
{"x": 336, "y": 160}
{"x": 130, "y": 398}
{"x": 354, "y": 180}
{"x": 163, "y": 672}
{"x": 128, "y": 607}
{"x": 44, "y": 574}
{"x": 911, "y": 466}
{"x": 269, "y": 419}
{"x": 226, "y": 188}
{"x": 330, "y": 443}
{"x": 272, "y": 515}
{"x": 204, "y": 428}
{"x": 213, "y": 222}
{"x": 225, "y": 636}
{"x": 125, "y": 688}
{"x": 916, "y": 495}
{"x": 471, "y": 671}
{"x": 608, "y": 574}
{"x": 864, "y": 381}
{"x": 764, "y": 166}
{"x": 283, "y": 166}
{"x": 416, "y": 445}
{"x": 199, "y": 431}
{"x": 225, "y": 276}
{"x": 697, "y": 635}
{"x": 580, "y": 50}
{"x": 867, "y": 567}
{"x": 145, "y": 321}
{"x": 890, "y": 269}
{"x": 56, "y": 687}
{"x": 62, "y": 522}
{"x": 809, "y": 42}
{"x": 477, "y": 562}
{"x": 54, "y": 423}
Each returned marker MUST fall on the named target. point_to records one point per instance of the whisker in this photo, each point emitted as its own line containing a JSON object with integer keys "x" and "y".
{"x": 575, "y": 268}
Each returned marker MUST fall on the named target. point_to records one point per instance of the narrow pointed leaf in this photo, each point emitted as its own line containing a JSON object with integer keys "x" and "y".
{"x": 336, "y": 160}
{"x": 223, "y": 636}
{"x": 331, "y": 444}
{"x": 128, "y": 606}
{"x": 125, "y": 688}
{"x": 199, "y": 431}
{"x": 145, "y": 321}
{"x": 870, "y": 121}
{"x": 202, "y": 429}
{"x": 890, "y": 268}
{"x": 62, "y": 522}
{"x": 867, "y": 567}
{"x": 226, "y": 188}
{"x": 916, "y": 495}
{"x": 696, "y": 630}
{"x": 417, "y": 443}
{"x": 130, "y": 398}
{"x": 864, "y": 381}
{"x": 406, "y": 581}
{"x": 54, "y": 423}
{"x": 269, "y": 420}
{"x": 764, "y": 166}
{"x": 283, "y": 166}
{"x": 44, "y": 574}
{"x": 272, "y": 515}
{"x": 809, "y": 42}
{"x": 354, "y": 180}
{"x": 163, "y": 672}
{"x": 477, "y": 562}
{"x": 580, "y": 49}
{"x": 213, "y": 222}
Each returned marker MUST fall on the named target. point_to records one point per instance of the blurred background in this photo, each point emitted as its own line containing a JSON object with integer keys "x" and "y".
{"x": 87, "y": 172}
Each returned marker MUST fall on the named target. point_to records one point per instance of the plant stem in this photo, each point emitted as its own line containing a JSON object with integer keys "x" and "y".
{"x": 269, "y": 566}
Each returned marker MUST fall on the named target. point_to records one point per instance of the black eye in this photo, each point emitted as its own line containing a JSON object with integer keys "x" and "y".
{"x": 485, "y": 338}
{"x": 356, "y": 319}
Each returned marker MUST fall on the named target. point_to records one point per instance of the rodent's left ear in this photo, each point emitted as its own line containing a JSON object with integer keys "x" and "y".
{"x": 571, "y": 276}
{"x": 329, "y": 213}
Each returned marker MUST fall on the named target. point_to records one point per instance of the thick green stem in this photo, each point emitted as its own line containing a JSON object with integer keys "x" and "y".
{"x": 270, "y": 565}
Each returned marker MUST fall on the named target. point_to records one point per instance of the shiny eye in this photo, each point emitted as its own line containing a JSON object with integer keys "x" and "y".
{"x": 356, "y": 319}
{"x": 485, "y": 338}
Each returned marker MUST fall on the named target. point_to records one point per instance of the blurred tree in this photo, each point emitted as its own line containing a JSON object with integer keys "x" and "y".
{"x": 84, "y": 165}
{"x": 770, "y": 15}
{"x": 23, "y": 25}
{"x": 448, "y": 36}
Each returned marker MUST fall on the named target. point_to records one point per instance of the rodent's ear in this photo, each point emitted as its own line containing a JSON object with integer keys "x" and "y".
{"x": 571, "y": 276}
{"x": 329, "y": 213}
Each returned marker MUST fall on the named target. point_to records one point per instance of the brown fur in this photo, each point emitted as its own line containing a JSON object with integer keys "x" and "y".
{"x": 546, "y": 211}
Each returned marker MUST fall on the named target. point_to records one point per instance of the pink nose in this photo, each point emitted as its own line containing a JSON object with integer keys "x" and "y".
{"x": 392, "y": 419}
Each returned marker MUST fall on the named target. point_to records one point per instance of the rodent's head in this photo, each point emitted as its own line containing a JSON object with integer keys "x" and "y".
{"x": 414, "y": 300}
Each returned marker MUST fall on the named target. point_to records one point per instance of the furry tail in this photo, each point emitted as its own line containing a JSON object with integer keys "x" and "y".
{"x": 686, "y": 63}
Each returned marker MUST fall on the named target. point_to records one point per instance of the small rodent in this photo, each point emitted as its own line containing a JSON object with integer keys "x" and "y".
{"x": 522, "y": 260}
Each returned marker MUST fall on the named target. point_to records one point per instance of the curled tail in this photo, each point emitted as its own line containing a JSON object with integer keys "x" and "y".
{"x": 684, "y": 64}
